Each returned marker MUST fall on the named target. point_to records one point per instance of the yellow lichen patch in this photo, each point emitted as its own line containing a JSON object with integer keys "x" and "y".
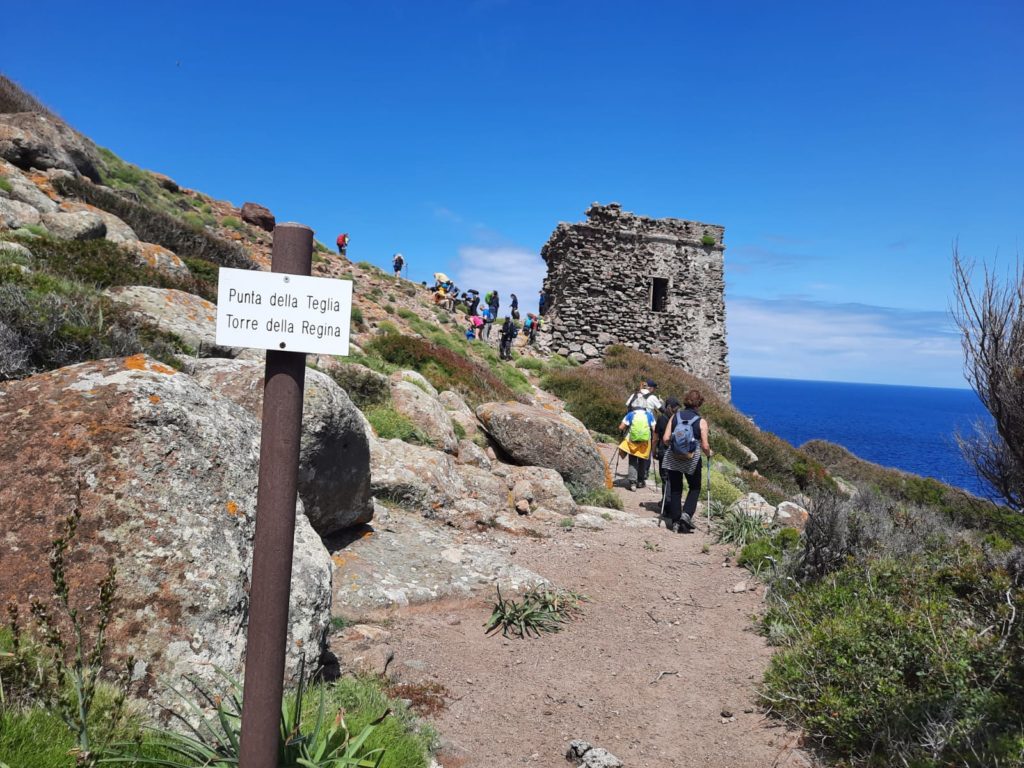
{"x": 232, "y": 508}
{"x": 154, "y": 399}
{"x": 338, "y": 560}
{"x": 141, "y": 363}
{"x": 135, "y": 363}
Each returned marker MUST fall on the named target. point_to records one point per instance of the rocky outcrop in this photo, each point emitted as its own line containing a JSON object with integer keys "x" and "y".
{"x": 407, "y": 560}
{"x": 192, "y": 318}
{"x": 543, "y": 488}
{"x": 15, "y": 214}
{"x": 31, "y": 140}
{"x": 459, "y": 412}
{"x": 116, "y": 230}
{"x": 75, "y": 225}
{"x": 334, "y": 453}
{"x": 535, "y": 436}
{"x": 157, "y": 257}
{"x": 258, "y": 216}
{"x": 754, "y": 505}
{"x": 23, "y": 190}
{"x": 791, "y": 515}
{"x": 669, "y": 273}
{"x": 426, "y": 412}
{"x": 164, "y": 474}
{"x": 415, "y": 476}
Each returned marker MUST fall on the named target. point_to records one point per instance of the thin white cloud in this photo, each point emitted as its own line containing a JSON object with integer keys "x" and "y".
{"x": 801, "y": 339}
{"x": 506, "y": 269}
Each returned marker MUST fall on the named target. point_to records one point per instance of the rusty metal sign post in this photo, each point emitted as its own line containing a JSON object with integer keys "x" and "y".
{"x": 275, "y": 526}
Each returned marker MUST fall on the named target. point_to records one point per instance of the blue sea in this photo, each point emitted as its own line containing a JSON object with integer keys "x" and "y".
{"x": 910, "y": 428}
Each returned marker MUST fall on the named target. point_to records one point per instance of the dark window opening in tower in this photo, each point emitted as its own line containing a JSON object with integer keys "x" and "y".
{"x": 659, "y": 294}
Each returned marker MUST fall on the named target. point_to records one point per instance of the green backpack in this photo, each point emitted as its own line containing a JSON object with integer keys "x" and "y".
{"x": 639, "y": 428}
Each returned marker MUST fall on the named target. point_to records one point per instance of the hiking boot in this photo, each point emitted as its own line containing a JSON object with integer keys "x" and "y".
{"x": 642, "y": 484}
{"x": 632, "y": 485}
{"x": 673, "y": 525}
{"x": 686, "y": 522}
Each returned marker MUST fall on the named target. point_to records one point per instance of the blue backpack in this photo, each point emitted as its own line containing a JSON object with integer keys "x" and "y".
{"x": 683, "y": 443}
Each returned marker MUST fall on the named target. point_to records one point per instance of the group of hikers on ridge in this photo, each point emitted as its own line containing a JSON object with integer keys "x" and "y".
{"x": 482, "y": 314}
{"x": 675, "y": 435}
{"x": 479, "y": 324}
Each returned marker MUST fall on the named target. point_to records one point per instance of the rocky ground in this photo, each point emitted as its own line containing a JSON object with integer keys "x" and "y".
{"x": 661, "y": 670}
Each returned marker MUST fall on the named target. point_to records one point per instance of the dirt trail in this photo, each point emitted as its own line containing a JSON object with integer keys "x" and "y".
{"x": 664, "y": 647}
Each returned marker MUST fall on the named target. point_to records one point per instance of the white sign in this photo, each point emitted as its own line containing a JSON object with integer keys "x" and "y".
{"x": 293, "y": 313}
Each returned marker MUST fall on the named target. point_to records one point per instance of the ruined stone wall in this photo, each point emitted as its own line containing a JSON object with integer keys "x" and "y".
{"x": 602, "y": 290}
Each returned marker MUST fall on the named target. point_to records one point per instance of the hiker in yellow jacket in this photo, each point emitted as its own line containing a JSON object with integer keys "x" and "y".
{"x": 637, "y": 443}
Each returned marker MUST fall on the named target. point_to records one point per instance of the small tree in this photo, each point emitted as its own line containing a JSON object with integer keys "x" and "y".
{"x": 991, "y": 320}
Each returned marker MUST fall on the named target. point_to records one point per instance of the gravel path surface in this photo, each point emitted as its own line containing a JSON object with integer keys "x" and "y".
{"x": 665, "y": 648}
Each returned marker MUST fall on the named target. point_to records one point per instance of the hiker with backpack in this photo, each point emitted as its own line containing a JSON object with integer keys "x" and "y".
{"x": 637, "y": 442}
{"x": 667, "y": 412}
{"x": 509, "y": 330}
{"x": 685, "y": 437}
{"x": 342, "y": 243}
{"x": 492, "y": 302}
{"x": 646, "y": 399}
{"x": 397, "y": 263}
{"x": 515, "y": 307}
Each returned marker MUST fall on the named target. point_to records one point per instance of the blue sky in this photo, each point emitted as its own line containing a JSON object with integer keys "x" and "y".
{"x": 843, "y": 146}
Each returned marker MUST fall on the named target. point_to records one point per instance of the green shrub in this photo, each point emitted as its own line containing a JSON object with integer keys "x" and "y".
{"x": 231, "y": 222}
{"x": 739, "y": 528}
{"x": 389, "y": 424}
{"x": 164, "y": 226}
{"x": 50, "y": 322}
{"x": 600, "y": 497}
{"x": 441, "y": 366}
{"x": 540, "y": 610}
{"x": 5, "y": 185}
{"x": 389, "y": 309}
{"x": 707, "y": 240}
{"x": 460, "y": 431}
{"x": 722, "y": 490}
{"x": 957, "y": 505}
{"x": 357, "y": 316}
{"x": 768, "y": 551}
{"x": 904, "y": 662}
{"x": 530, "y": 363}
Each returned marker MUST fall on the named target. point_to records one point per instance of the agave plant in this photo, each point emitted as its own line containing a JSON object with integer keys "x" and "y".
{"x": 213, "y": 741}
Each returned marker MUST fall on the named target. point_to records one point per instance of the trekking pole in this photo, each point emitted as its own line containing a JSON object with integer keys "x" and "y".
{"x": 709, "y": 493}
{"x": 615, "y": 466}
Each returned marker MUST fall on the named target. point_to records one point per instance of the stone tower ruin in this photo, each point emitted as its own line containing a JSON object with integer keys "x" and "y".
{"x": 656, "y": 285}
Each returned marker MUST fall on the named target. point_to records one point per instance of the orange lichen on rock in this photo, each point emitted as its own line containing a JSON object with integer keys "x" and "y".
{"x": 338, "y": 560}
{"x": 154, "y": 399}
{"x": 232, "y": 508}
{"x": 141, "y": 363}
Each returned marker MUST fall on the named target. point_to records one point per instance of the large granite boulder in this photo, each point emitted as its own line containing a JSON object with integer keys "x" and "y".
{"x": 414, "y": 476}
{"x": 535, "y": 436}
{"x": 754, "y": 505}
{"x": 15, "y": 214}
{"x": 75, "y": 225}
{"x": 192, "y": 318}
{"x": 426, "y": 413}
{"x": 23, "y": 190}
{"x": 258, "y": 215}
{"x": 543, "y": 488}
{"x": 334, "y": 453}
{"x": 164, "y": 474}
{"x": 459, "y": 412}
{"x": 116, "y": 230}
{"x": 157, "y": 257}
{"x": 31, "y": 140}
